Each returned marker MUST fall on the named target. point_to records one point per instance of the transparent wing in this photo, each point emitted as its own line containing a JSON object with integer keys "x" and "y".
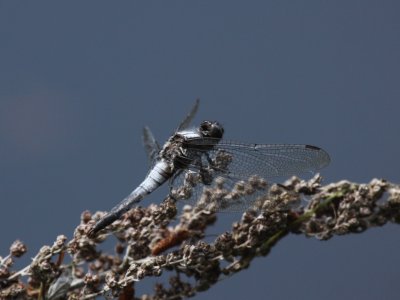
{"x": 231, "y": 176}
{"x": 265, "y": 160}
{"x": 223, "y": 194}
{"x": 150, "y": 145}
{"x": 188, "y": 119}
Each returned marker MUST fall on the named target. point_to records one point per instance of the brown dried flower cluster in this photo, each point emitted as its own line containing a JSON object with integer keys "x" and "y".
{"x": 151, "y": 242}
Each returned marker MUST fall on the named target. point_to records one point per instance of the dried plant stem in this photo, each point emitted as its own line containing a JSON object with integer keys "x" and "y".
{"x": 146, "y": 236}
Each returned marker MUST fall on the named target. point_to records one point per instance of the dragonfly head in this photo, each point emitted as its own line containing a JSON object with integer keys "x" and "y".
{"x": 211, "y": 129}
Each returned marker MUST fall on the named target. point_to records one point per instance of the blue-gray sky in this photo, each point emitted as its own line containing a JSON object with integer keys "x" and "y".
{"x": 78, "y": 80}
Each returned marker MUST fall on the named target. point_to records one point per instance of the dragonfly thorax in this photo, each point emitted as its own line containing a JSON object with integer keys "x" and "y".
{"x": 178, "y": 150}
{"x": 172, "y": 148}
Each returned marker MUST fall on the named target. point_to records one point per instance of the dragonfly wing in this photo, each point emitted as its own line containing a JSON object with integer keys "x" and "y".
{"x": 188, "y": 119}
{"x": 150, "y": 145}
{"x": 230, "y": 176}
{"x": 265, "y": 160}
{"x": 223, "y": 194}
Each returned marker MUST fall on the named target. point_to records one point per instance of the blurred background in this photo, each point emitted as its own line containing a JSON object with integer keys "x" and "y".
{"x": 79, "y": 80}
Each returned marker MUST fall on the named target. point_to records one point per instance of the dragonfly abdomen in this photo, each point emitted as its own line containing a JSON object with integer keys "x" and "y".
{"x": 160, "y": 173}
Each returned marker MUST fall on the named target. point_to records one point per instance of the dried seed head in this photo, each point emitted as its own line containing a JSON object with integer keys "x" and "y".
{"x": 86, "y": 216}
{"x": 111, "y": 280}
{"x": 91, "y": 279}
{"x": 4, "y": 272}
{"x": 18, "y": 248}
{"x": 59, "y": 243}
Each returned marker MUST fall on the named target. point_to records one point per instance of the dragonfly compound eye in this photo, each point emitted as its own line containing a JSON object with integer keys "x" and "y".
{"x": 211, "y": 129}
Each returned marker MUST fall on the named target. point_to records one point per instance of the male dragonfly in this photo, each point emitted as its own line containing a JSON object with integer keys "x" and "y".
{"x": 199, "y": 156}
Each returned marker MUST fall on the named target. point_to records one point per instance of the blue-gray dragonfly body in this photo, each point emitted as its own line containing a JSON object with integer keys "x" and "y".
{"x": 202, "y": 152}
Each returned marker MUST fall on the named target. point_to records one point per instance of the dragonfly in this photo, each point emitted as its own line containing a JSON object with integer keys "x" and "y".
{"x": 195, "y": 158}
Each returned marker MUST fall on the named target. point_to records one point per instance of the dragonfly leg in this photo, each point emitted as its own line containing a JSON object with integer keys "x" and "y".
{"x": 171, "y": 183}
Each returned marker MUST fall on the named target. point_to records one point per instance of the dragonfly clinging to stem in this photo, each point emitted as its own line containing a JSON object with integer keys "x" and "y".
{"x": 202, "y": 153}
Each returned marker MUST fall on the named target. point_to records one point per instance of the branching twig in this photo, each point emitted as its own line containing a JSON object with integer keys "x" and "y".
{"x": 145, "y": 236}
